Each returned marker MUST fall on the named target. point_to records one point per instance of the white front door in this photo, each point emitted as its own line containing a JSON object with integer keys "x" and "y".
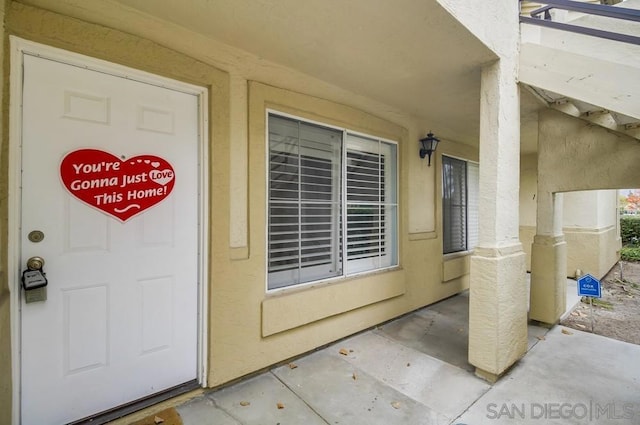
{"x": 120, "y": 321}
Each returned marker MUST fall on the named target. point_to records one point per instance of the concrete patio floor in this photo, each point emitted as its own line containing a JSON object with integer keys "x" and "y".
{"x": 413, "y": 370}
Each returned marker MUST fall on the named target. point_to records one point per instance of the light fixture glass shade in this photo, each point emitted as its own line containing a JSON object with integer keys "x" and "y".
{"x": 429, "y": 145}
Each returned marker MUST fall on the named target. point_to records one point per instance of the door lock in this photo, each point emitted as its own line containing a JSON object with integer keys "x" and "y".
{"x": 34, "y": 277}
{"x": 35, "y": 263}
{"x": 36, "y": 236}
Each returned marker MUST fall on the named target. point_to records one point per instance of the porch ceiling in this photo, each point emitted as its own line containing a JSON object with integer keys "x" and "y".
{"x": 410, "y": 54}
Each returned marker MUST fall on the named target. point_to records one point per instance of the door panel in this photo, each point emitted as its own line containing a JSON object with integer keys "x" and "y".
{"x": 120, "y": 321}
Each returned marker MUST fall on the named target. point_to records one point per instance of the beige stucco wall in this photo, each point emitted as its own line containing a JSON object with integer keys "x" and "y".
{"x": 577, "y": 155}
{"x": 487, "y": 21}
{"x": 592, "y": 251}
{"x": 528, "y": 191}
{"x": 591, "y": 231}
{"x": 526, "y": 235}
{"x": 589, "y": 217}
{"x": 589, "y": 225}
{"x": 249, "y": 329}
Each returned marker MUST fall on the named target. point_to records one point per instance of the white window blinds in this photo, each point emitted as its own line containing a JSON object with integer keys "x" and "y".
{"x": 332, "y": 203}
{"x": 304, "y": 202}
{"x": 371, "y": 204}
{"x": 460, "y": 186}
{"x": 454, "y": 207}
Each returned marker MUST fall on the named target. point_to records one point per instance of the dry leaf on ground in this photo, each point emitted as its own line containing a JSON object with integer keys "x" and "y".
{"x": 280, "y": 406}
{"x": 395, "y": 404}
{"x": 344, "y": 351}
{"x": 244, "y": 403}
{"x": 354, "y": 376}
{"x": 292, "y": 365}
{"x": 158, "y": 420}
{"x": 541, "y": 338}
{"x": 566, "y": 332}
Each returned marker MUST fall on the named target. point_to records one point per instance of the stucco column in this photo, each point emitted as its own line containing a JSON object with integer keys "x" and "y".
{"x": 548, "y": 261}
{"x": 498, "y": 306}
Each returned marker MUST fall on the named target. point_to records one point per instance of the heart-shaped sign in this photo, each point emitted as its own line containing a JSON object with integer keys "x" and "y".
{"x": 119, "y": 188}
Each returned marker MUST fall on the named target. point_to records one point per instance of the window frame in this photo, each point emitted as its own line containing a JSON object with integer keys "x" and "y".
{"x": 360, "y": 146}
{"x": 466, "y": 250}
{"x": 395, "y": 238}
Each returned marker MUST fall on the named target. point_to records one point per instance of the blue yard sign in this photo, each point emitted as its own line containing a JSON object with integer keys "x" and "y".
{"x": 589, "y": 286}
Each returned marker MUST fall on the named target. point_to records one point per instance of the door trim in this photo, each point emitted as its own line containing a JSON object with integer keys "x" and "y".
{"x": 20, "y": 47}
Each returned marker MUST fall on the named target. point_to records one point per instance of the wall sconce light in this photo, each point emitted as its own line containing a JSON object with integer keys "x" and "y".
{"x": 429, "y": 145}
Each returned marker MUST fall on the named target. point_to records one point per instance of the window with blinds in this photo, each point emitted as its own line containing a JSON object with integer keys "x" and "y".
{"x": 371, "y": 204}
{"x": 332, "y": 203}
{"x": 460, "y": 180}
